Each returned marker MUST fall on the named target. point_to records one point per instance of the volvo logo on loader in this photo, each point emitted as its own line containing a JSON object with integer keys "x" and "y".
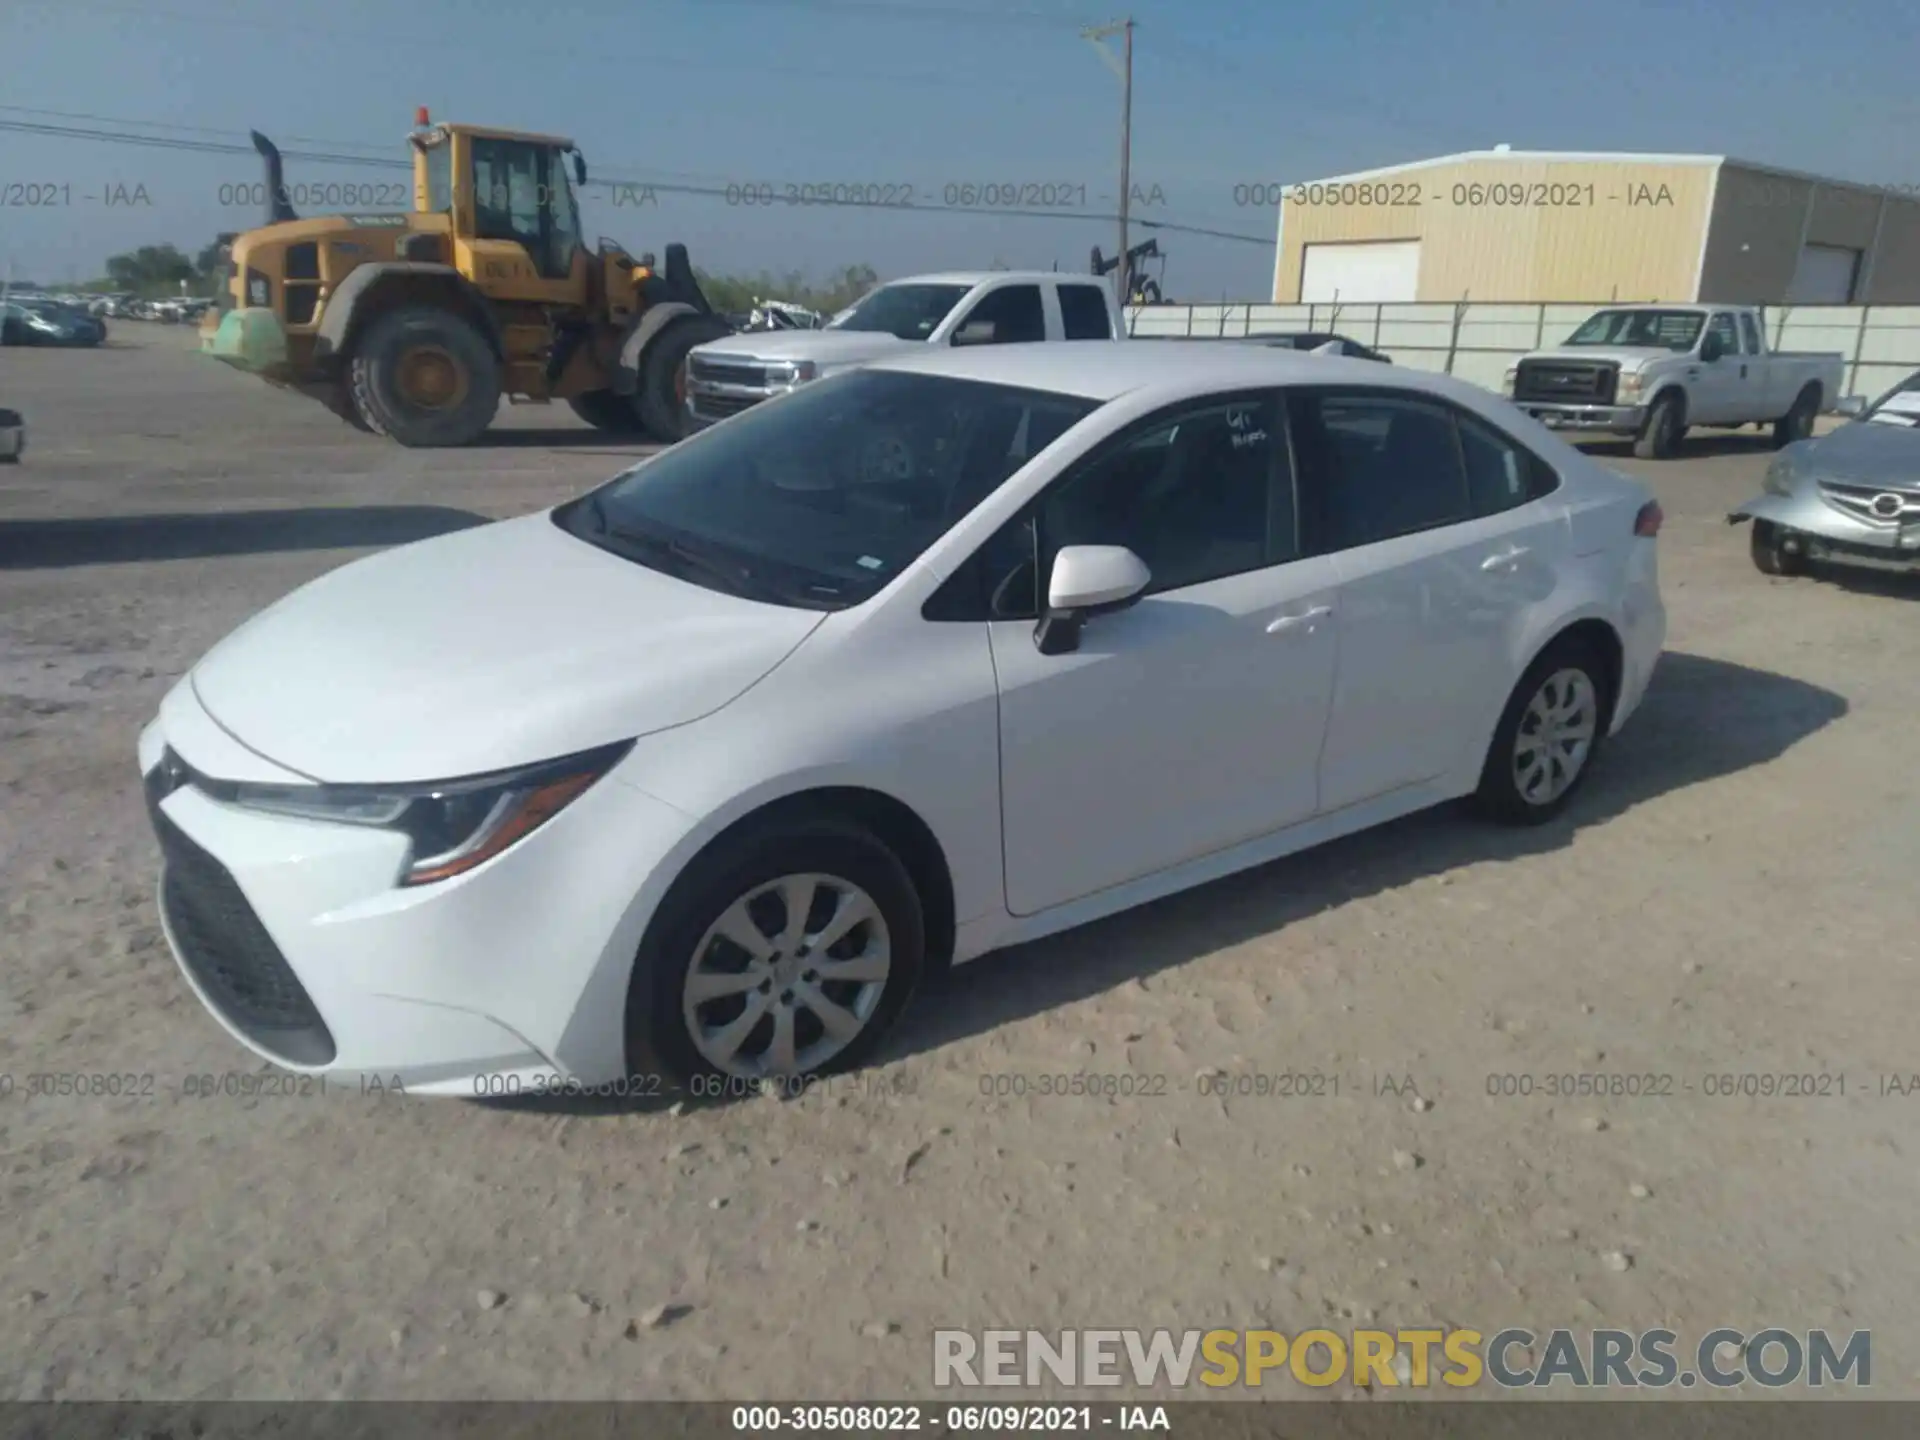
{"x": 397, "y": 327}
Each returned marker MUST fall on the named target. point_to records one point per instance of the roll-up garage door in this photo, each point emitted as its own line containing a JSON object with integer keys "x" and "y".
{"x": 1364, "y": 273}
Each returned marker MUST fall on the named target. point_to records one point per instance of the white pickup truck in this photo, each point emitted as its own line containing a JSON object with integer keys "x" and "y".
{"x": 989, "y": 307}
{"x": 1650, "y": 371}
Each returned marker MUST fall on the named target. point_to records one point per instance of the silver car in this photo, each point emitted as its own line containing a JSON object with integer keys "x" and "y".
{"x": 1851, "y": 497}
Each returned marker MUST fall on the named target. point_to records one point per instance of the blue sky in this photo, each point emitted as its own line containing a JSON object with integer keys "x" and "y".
{"x": 919, "y": 95}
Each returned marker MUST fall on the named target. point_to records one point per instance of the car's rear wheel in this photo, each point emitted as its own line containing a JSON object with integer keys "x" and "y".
{"x": 1545, "y": 743}
{"x": 780, "y": 956}
{"x": 1772, "y": 553}
{"x": 1797, "y": 423}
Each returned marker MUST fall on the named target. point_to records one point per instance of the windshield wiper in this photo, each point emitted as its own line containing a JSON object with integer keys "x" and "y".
{"x": 734, "y": 578}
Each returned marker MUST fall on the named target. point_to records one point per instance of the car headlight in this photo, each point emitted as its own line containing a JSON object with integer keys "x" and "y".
{"x": 453, "y": 826}
{"x": 1780, "y": 476}
{"x": 795, "y": 372}
{"x": 1506, "y": 383}
{"x": 1628, "y": 386}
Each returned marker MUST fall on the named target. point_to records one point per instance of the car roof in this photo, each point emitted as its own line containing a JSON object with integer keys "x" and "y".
{"x": 971, "y": 278}
{"x": 1103, "y": 370}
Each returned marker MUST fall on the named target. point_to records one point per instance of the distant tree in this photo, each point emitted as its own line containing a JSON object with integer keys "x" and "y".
{"x": 208, "y": 264}
{"x": 151, "y": 269}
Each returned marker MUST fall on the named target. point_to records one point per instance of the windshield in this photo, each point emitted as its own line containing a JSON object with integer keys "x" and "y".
{"x": 1648, "y": 329}
{"x": 1899, "y": 406}
{"x": 908, "y": 312}
{"x": 820, "y": 498}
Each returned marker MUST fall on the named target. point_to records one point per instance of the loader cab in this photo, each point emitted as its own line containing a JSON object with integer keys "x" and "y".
{"x": 513, "y": 216}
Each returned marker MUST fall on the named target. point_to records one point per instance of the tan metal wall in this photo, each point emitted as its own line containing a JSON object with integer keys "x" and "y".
{"x": 1636, "y": 233}
{"x": 1760, "y": 220}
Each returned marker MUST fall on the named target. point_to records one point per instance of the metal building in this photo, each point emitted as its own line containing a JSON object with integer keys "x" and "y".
{"x": 1516, "y": 225}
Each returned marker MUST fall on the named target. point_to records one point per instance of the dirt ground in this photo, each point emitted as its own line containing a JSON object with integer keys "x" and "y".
{"x": 1734, "y": 894}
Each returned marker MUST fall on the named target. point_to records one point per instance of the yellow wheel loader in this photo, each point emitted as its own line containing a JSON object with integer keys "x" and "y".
{"x": 414, "y": 324}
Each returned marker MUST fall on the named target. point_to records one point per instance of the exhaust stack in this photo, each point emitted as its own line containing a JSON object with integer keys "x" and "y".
{"x": 279, "y": 208}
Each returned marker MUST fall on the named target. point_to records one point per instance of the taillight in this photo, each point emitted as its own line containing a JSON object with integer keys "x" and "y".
{"x": 1647, "y": 522}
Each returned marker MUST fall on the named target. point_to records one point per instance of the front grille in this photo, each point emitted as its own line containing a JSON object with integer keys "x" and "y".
{"x": 727, "y": 372}
{"x": 1875, "y": 504}
{"x": 228, "y": 951}
{"x": 719, "y": 407}
{"x": 1568, "y": 382}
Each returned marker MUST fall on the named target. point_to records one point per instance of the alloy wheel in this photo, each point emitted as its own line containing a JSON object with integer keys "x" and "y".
{"x": 787, "y": 977}
{"x": 1555, "y": 736}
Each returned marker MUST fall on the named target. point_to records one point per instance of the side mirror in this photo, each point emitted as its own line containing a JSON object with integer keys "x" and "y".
{"x": 975, "y": 332}
{"x": 1087, "y": 580}
{"x": 1712, "y": 348}
{"x": 579, "y": 168}
{"x": 1851, "y": 406}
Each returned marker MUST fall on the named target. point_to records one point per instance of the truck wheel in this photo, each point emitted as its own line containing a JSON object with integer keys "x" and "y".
{"x": 663, "y": 375}
{"x": 425, "y": 378}
{"x": 1797, "y": 423}
{"x": 607, "y": 410}
{"x": 1770, "y": 553}
{"x": 1664, "y": 429}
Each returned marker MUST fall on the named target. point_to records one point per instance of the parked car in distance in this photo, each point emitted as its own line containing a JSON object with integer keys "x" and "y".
{"x": 13, "y": 436}
{"x": 1320, "y": 344}
{"x": 927, "y": 659}
{"x": 991, "y": 307}
{"x": 1851, "y": 497}
{"x": 42, "y": 322}
{"x": 1652, "y": 371}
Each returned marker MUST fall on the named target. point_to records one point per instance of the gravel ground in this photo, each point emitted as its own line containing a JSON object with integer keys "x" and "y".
{"x": 1733, "y": 894}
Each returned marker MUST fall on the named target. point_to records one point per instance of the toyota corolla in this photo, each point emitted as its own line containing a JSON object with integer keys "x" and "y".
{"x": 694, "y": 777}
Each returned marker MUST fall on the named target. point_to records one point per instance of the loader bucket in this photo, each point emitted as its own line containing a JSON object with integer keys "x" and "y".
{"x": 249, "y": 339}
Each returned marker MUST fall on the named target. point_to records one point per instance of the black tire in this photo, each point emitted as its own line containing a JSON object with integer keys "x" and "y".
{"x": 662, "y": 391}
{"x": 658, "y": 1040}
{"x": 1770, "y": 554}
{"x": 1797, "y": 423}
{"x": 609, "y": 411}
{"x": 1500, "y": 796}
{"x": 1663, "y": 429}
{"x": 374, "y": 375}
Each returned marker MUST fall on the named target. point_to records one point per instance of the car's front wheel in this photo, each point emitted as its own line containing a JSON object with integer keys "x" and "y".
{"x": 1772, "y": 553}
{"x": 782, "y": 955}
{"x": 1543, "y": 747}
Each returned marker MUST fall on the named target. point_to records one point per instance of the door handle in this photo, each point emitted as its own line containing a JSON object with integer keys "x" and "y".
{"x": 1295, "y": 621}
{"x": 1505, "y": 560}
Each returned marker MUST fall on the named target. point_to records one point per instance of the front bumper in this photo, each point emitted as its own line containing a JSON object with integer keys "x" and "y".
{"x": 1825, "y": 533}
{"x": 509, "y": 979}
{"x": 711, "y": 401}
{"x": 1598, "y": 419}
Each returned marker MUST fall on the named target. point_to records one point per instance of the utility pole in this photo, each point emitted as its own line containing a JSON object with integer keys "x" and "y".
{"x": 1122, "y": 67}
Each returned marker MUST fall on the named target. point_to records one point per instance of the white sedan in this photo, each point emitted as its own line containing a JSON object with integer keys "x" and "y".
{"x": 688, "y": 781}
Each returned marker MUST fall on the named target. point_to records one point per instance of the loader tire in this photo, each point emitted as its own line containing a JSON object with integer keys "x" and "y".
{"x": 609, "y": 411}
{"x": 663, "y": 375}
{"x": 425, "y": 378}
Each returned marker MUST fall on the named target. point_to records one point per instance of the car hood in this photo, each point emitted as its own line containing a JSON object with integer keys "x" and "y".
{"x": 1628, "y": 357}
{"x": 492, "y": 647}
{"x": 1865, "y": 453}
{"x": 823, "y": 347}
